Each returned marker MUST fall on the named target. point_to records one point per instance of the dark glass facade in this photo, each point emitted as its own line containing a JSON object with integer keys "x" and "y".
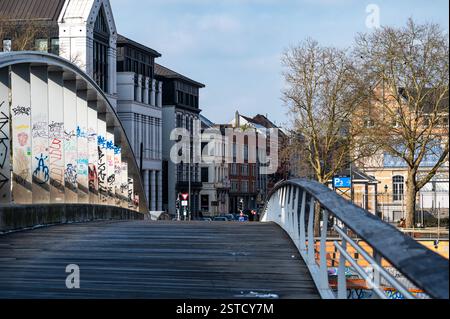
{"x": 100, "y": 54}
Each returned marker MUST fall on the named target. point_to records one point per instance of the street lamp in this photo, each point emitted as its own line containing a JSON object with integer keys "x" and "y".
{"x": 385, "y": 201}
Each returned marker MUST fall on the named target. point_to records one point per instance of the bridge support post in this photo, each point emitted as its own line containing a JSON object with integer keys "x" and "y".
{"x": 302, "y": 225}
{"x": 311, "y": 244}
{"x": 295, "y": 213}
{"x": 323, "y": 268}
{"x": 342, "y": 280}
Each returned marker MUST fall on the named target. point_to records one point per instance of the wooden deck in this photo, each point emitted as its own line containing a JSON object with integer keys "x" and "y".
{"x": 142, "y": 259}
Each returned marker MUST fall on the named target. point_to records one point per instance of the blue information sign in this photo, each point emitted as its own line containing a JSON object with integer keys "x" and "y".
{"x": 342, "y": 182}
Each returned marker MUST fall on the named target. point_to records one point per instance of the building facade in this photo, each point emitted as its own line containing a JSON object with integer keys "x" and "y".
{"x": 214, "y": 196}
{"x": 180, "y": 100}
{"x": 248, "y": 186}
{"x": 139, "y": 106}
{"x": 391, "y": 171}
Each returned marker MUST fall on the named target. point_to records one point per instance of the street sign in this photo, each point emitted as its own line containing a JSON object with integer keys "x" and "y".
{"x": 184, "y": 203}
{"x": 342, "y": 182}
{"x": 185, "y": 196}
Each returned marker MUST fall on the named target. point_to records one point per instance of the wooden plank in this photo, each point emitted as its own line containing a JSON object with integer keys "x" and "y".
{"x": 143, "y": 259}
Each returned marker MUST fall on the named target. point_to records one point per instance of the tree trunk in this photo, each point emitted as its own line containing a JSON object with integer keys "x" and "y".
{"x": 410, "y": 198}
{"x": 317, "y": 219}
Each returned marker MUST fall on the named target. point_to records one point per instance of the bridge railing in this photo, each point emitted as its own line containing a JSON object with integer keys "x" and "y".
{"x": 387, "y": 260}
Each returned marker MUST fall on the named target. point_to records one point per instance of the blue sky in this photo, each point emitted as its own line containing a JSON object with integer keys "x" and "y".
{"x": 234, "y": 46}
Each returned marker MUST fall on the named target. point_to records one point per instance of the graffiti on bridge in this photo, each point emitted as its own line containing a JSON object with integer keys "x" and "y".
{"x": 56, "y": 161}
{"x": 102, "y": 182}
{"x": 23, "y": 139}
{"x": 4, "y": 145}
{"x": 71, "y": 174}
{"x": 93, "y": 178}
{"x": 40, "y": 130}
{"x": 22, "y": 110}
{"x": 42, "y": 172}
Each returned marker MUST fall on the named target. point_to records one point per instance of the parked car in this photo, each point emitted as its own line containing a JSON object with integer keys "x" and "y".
{"x": 220, "y": 219}
{"x": 207, "y": 219}
{"x": 230, "y": 217}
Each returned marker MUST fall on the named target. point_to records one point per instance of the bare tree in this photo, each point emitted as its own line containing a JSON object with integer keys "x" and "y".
{"x": 323, "y": 92}
{"x": 409, "y": 67}
{"x": 22, "y": 33}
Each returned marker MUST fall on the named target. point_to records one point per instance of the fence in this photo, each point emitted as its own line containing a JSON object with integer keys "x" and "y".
{"x": 430, "y": 206}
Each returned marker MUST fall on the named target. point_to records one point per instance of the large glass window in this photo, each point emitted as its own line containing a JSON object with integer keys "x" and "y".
{"x": 101, "y": 44}
{"x": 205, "y": 174}
{"x": 398, "y": 187}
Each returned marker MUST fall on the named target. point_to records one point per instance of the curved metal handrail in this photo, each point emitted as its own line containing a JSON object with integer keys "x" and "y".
{"x": 423, "y": 267}
{"x": 17, "y": 57}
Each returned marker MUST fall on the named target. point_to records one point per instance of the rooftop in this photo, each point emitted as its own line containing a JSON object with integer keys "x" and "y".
{"x": 22, "y": 10}
{"x": 170, "y": 74}
{"x": 126, "y": 41}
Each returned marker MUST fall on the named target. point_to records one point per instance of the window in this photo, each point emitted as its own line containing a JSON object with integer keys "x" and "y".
{"x": 369, "y": 123}
{"x": 41, "y": 45}
{"x": 444, "y": 121}
{"x": 196, "y": 102}
{"x": 234, "y": 186}
{"x": 54, "y": 46}
{"x": 101, "y": 46}
{"x": 179, "y": 121}
{"x": 234, "y": 169}
{"x": 398, "y": 183}
{"x": 205, "y": 174}
{"x": 396, "y": 124}
{"x": 244, "y": 170}
{"x": 180, "y": 168}
{"x": 204, "y": 199}
{"x": 7, "y": 45}
{"x": 244, "y": 187}
{"x": 253, "y": 170}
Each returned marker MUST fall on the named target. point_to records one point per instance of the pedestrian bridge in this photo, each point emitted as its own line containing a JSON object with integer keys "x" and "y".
{"x": 270, "y": 259}
{"x": 65, "y": 161}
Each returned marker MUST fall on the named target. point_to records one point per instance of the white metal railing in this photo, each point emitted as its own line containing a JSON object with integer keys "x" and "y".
{"x": 311, "y": 214}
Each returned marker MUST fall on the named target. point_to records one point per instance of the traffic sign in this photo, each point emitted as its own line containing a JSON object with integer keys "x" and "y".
{"x": 185, "y": 196}
{"x": 342, "y": 182}
{"x": 184, "y": 203}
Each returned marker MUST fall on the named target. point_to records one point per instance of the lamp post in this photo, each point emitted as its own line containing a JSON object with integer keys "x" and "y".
{"x": 385, "y": 200}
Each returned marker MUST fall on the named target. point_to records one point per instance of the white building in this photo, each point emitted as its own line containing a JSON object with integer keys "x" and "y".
{"x": 214, "y": 196}
{"x": 88, "y": 38}
{"x": 139, "y": 107}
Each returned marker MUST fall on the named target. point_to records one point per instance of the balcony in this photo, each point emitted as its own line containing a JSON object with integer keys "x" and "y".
{"x": 226, "y": 184}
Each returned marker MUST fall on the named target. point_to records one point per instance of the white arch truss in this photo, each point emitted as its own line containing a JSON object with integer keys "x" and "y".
{"x": 60, "y": 139}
